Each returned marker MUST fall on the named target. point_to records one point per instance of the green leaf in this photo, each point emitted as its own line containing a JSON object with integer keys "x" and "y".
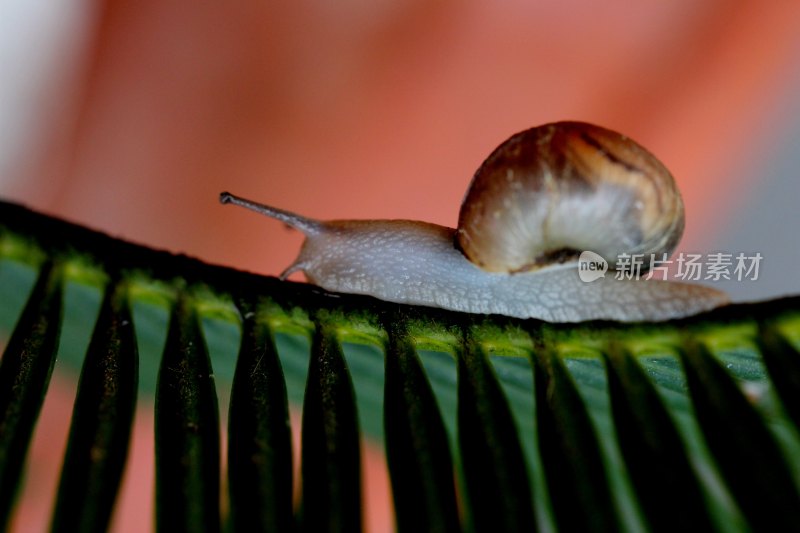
{"x": 782, "y": 360}
{"x": 101, "y": 420}
{"x": 494, "y": 468}
{"x": 745, "y": 451}
{"x": 24, "y": 375}
{"x": 417, "y": 448}
{"x": 689, "y": 423}
{"x": 331, "y": 459}
{"x": 655, "y": 456}
{"x": 259, "y": 435}
{"x": 570, "y": 452}
{"x": 187, "y": 430}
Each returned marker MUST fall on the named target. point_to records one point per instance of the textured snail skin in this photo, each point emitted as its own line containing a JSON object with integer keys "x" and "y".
{"x": 417, "y": 263}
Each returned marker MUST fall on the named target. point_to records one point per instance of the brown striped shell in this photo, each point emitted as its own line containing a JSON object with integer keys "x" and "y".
{"x": 550, "y": 192}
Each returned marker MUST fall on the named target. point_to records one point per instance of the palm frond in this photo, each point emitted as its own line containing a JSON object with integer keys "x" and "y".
{"x": 488, "y": 422}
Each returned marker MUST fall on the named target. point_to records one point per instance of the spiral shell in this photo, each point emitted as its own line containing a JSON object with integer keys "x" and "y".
{"x": 550, "y": 192}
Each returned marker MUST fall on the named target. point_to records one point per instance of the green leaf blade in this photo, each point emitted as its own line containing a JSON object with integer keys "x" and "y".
{"x": 656, "y": 458}
{"x": 417, "y": 446}
{"x": 186, "y": 430}
{"x": 747, "y": 454}
{"x": 570, "y": 450}
{"x": 782, "y": 360}
{"x": 259, "y": 435}
{"x": 24, "y": 376}
{"x": 495, "y": 473}
{"x": 101, "y": 423}
{"x": 331, "y": 456}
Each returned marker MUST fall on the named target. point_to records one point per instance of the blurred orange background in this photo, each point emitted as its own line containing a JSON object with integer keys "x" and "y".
{"x": 132, "y": 117}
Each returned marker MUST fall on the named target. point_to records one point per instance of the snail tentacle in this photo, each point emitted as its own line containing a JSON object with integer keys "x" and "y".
{"x": 308, "y": 226}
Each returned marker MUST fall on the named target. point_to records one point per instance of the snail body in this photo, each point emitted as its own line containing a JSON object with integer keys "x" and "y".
{"x": 540, "y": 188}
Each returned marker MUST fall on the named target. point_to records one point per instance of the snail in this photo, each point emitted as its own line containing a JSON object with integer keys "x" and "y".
{"x": 538, "y": 200}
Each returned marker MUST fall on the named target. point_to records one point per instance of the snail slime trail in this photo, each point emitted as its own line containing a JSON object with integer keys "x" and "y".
{"x": 539, "y": 200}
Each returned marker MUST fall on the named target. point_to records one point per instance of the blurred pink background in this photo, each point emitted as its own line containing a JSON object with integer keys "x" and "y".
{"x": 132, "y": 117}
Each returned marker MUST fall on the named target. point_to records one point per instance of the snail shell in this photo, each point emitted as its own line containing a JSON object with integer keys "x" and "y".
{"x": 549, "y": 193}
{"x": 538, "y": 200}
